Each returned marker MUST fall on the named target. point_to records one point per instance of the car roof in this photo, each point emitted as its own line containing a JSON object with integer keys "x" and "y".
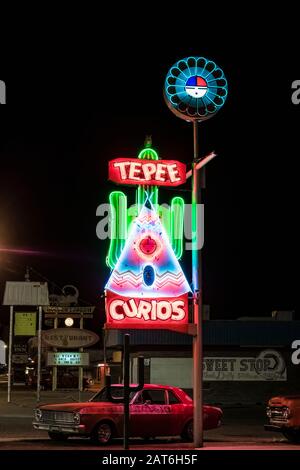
{"x": 167, "y": 387}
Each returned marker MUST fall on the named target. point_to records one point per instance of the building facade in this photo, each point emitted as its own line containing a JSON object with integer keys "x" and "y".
{"x": 245, "y": 361}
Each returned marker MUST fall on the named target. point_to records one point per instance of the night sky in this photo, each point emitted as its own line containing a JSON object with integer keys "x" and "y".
{"x": 70, "y": 111}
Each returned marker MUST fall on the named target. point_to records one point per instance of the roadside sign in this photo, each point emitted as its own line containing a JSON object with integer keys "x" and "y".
{"x": 25, "y": 324}
{"x": 67, "y": 359}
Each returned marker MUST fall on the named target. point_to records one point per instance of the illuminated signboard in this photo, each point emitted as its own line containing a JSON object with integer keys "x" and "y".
{"x": 195, "y": 88}
{"x": 147, "y": 287}
{"x": 145, "y": 172}
{"x": 67, "y": 359}
{"x": 141, "y": 313}
{"x": 25, "y": 324}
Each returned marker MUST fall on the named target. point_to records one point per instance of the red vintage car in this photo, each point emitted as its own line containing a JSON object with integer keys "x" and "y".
{"x": 157, "y": 410}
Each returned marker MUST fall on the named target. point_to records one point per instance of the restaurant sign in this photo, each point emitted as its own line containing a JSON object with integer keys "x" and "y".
{"x": 69, "y": 338}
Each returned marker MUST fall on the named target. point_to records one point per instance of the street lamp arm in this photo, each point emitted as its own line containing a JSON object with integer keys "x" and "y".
{"x": 200, "y": 163}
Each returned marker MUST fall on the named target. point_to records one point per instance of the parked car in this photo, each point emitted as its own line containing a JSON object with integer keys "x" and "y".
{"x": 157, "y": 410}
{"x": 64, "y": 380}
{"x": 46, "y": 379}
{"x": 284, "y": 416}
{"x": 70, "y": 380}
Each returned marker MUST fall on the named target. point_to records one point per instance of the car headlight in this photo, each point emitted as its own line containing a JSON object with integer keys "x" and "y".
{"x": 269, "y": 412}
{"x": 76, "y": 418}
{"x": 38, "y": 414}
{"x": 286, "y": 412}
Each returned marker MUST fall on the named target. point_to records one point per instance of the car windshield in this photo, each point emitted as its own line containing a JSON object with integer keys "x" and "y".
{"x": 116, "y": 392}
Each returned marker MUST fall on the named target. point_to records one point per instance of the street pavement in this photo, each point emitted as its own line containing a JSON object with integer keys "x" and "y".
{"x": 242, "y": 428}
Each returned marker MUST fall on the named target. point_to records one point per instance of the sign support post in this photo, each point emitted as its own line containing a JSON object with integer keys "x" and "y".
{"x": 38, "y": 389}
{"x": 80, "y": 374}
{"x": 11, "y": 320}
{"x": 104, "y": 337}
{"x": 197, "y": 301}
{"x": 54, "y": 370}
{"x": 126, "y": 372}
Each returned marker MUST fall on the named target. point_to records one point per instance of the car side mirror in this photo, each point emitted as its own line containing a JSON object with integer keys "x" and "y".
{"x": 148, "y": 402}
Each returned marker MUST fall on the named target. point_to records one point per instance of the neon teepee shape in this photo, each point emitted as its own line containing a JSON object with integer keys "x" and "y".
{"x": 148, "y": 267}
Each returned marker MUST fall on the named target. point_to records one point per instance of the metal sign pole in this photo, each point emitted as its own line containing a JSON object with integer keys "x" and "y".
{"x": 80, "y": 372}
{"x": 38, "y": 388}
{"x": 126, "y": 372}
{"x": 104, "y": 355}
{"x": 197, "y": 301}
{"x": 54, "y": 368}
{"x": 11, "y": 322}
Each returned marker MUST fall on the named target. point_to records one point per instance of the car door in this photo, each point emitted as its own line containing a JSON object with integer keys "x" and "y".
{"x": 150, "y": 414}
{"x": 179, "y": 412}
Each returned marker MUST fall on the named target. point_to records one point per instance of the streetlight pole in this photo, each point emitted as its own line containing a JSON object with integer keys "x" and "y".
{"x": 197, "y": 298}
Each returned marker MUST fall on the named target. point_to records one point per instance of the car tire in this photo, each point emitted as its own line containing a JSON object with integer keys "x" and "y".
{"x": 57, "y": 436}
{"x": 103, "y": 433}
{"x": 187, "y": 433}
{"x": 292, "y": 435}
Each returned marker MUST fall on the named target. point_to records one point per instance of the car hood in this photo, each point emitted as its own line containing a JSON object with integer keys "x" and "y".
{"x": 284, "y": 400}
{"x": 74, "y": 406}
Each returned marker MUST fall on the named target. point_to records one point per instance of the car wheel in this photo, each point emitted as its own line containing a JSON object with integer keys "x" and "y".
{"x": 57, "y": 436}
{"x": 187, "y": 433}
{"x": 103, "y": 433}
{"x": 292, "y": 435}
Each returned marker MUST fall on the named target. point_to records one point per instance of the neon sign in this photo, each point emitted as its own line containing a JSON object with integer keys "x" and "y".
{"x": 147, "y": 287}
{"x": 158, "y": 173}
{"x": 195, "y": 88}
{"x": 142, "y": 313}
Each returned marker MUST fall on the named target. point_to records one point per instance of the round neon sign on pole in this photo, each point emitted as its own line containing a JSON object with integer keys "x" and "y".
{"x": 195, "y": 88}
